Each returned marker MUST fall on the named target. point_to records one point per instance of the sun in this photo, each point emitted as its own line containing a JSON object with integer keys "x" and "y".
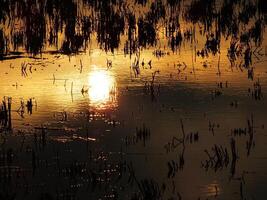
{"x": 101, "y": 88}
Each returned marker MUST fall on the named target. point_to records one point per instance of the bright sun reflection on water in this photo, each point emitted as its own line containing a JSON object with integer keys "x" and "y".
{"x": 102, "y": 89}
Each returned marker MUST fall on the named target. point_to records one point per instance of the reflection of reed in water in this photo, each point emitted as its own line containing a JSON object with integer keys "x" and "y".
{"x": 68, "y": 26}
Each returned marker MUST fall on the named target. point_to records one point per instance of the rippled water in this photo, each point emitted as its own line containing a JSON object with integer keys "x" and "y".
{"x": 103, "y": 127}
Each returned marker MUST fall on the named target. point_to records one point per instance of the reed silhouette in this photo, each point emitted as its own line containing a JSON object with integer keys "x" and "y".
{"x": 68, "y": 26}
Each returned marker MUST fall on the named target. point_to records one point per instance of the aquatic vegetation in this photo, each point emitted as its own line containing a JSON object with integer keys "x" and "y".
{"x": 142, "y": 135}
{"x": 219, "y": 157}
{"x": 5, "y": 113}
{"x": 59, "y": 24}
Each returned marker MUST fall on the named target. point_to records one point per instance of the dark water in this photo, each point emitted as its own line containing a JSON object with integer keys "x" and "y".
{"x": 113, "y": 99}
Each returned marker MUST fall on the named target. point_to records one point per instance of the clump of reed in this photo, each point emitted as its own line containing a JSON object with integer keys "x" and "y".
{"x": 150, "y": 87}
{"x": 142, "y": 134}
{"x": 160, "y": 53}
{"x": 257, "y": 93}
{"x": 219, "y": 157}
{"x": 192, "y": 137}
{"x": 5, "y": 113}
{"x": 212, "y": 126}
{"x": 149, "y": 189}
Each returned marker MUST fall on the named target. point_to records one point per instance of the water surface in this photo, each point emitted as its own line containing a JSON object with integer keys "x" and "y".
{"x": 133, "y": 99}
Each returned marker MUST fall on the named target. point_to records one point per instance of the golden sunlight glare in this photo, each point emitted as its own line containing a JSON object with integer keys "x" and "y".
{"x": 101, "y": 87}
